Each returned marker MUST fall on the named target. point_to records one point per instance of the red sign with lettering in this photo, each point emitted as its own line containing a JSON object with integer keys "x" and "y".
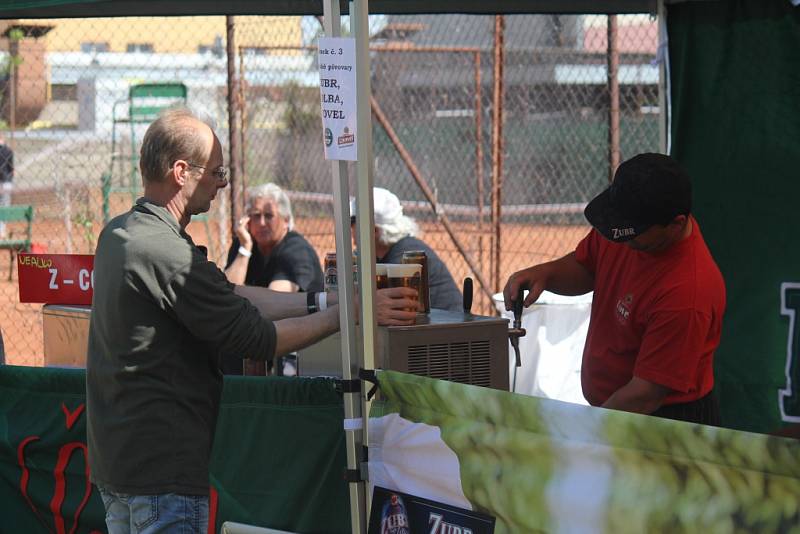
{"x": 56, "y": 278}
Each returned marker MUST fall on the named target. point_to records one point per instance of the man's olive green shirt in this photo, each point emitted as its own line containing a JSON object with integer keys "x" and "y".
{"x": 162, "y": 316}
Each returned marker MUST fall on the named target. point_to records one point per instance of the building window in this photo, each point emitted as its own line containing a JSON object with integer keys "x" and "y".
{"x": 64, "y": 92}
{"x": 92, "y": 47}
{"x": 255, "y": 50}
{"x": 139, "y": 47}
{"x": 217, "y": 48}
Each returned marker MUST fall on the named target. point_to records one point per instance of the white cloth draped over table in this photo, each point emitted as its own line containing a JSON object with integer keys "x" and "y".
{"x": 552, "y": 349}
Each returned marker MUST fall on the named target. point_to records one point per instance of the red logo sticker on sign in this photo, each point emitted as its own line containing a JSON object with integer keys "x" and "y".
{"x": 56, "y": 278}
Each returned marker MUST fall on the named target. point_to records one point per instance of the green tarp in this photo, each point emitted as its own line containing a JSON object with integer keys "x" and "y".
{"x": 278, "y": 458}
{"x": 736, "y": 127}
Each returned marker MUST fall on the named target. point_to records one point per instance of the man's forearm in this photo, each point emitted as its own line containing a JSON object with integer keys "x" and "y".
{"x": 237, "y": 272}
{"x": 274, "y": 305}
{"x": 299, "y": 332}
{"x": 638, "y": 396}
{"x": 566, "y": 276}
{"x": 391, "y": 304}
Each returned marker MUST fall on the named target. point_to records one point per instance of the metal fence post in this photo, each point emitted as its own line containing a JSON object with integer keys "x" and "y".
{"x": 612, "y": 60}
{"x": 234, "y": 122}
{"x": 497, "y": 146}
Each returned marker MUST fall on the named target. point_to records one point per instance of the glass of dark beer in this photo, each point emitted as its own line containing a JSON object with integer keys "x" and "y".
{"x": 419, "y": 256}
{"x": 405, "y": 275}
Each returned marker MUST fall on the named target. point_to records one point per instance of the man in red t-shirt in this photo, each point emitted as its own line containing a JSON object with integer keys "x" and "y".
{"x": 658, "y": 298}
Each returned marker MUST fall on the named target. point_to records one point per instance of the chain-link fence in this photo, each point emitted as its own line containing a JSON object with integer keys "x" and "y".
{"x": 435, "y": 111}
{"x": 74, "y": 124}
{"x": 510, "y": 164}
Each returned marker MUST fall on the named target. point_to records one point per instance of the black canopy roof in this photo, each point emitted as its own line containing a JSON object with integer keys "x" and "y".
{"x": 13, "y": 9}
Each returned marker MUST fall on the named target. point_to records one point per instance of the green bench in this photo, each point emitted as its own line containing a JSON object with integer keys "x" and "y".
{"x": 14, "y": 214}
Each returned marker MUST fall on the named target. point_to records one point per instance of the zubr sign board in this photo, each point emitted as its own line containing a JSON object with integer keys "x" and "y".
{"x": 56, "y": 278}
{"x": 393, "y": 511}
{"x": 337, "y": 87}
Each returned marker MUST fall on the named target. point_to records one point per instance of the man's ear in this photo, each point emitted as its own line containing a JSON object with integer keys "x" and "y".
{"x": 178, "y": 171}
{"x": 680, "y": 220}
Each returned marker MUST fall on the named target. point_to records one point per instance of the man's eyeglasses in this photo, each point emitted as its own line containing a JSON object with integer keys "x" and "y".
{"x": 260, "y": 217}
{"x": 220, "y": 173}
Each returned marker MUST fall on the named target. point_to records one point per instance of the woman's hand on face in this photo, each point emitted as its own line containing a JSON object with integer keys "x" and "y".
{"x": 243, "y": 234}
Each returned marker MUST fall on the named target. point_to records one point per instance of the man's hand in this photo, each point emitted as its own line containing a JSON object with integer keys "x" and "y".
{"x": 392, "y": 306}
{"x": 534, "y": 279}
{"x": 242, "y": 234}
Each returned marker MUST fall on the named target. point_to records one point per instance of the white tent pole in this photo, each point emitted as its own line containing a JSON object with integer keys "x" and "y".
{"x": 359, "y": 25}
{"x": 364, "y": 177}
{"x": 354, "y": 437}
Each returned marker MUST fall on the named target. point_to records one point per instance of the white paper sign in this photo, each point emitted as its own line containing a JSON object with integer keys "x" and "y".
{"x": 337, "y": 88}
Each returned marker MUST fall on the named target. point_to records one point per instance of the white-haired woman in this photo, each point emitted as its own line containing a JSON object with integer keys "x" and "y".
{"x": 267, "y": 251}
{"x": 395, "y": 233}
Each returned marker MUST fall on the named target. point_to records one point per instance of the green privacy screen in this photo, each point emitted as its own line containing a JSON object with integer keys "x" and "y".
{"x": 278, "y": 458}
{"x": 735, "y": 73}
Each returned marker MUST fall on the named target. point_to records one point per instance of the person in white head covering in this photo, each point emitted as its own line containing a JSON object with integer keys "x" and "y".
{"x": 395, "y": 233}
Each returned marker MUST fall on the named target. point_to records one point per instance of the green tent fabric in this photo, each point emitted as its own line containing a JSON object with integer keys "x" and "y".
{"x": 42, "y": 417}
{"x": 278, "y": 456}
{"x": 736, "y": 127}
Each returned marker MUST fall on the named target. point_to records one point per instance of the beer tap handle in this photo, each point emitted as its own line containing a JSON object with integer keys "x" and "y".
{"x": 467, "y": 292}
{"x": 517, "y": 331}
{"x": 518, "y": 308}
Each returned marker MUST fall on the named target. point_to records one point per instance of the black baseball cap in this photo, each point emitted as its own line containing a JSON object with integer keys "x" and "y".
{"x": 648, "y": 189}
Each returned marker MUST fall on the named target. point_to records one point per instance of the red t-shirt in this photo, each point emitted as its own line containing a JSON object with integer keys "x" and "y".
{"x": 654, "y": 316}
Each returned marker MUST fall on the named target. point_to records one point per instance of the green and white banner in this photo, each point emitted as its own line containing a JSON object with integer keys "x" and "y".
{"x": 540, "y": 465}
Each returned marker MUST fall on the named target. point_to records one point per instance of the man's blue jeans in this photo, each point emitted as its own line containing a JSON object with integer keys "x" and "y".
{"x": 154, "y": 514}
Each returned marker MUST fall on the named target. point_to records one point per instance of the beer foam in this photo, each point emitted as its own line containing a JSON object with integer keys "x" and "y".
{"x": 403, "y": 270}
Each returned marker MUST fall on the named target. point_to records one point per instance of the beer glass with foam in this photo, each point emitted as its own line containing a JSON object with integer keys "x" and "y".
{"x": 405, "y": 275}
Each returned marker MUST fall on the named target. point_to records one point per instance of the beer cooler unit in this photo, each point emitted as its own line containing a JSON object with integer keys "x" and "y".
{"x": 455, "y": 346}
